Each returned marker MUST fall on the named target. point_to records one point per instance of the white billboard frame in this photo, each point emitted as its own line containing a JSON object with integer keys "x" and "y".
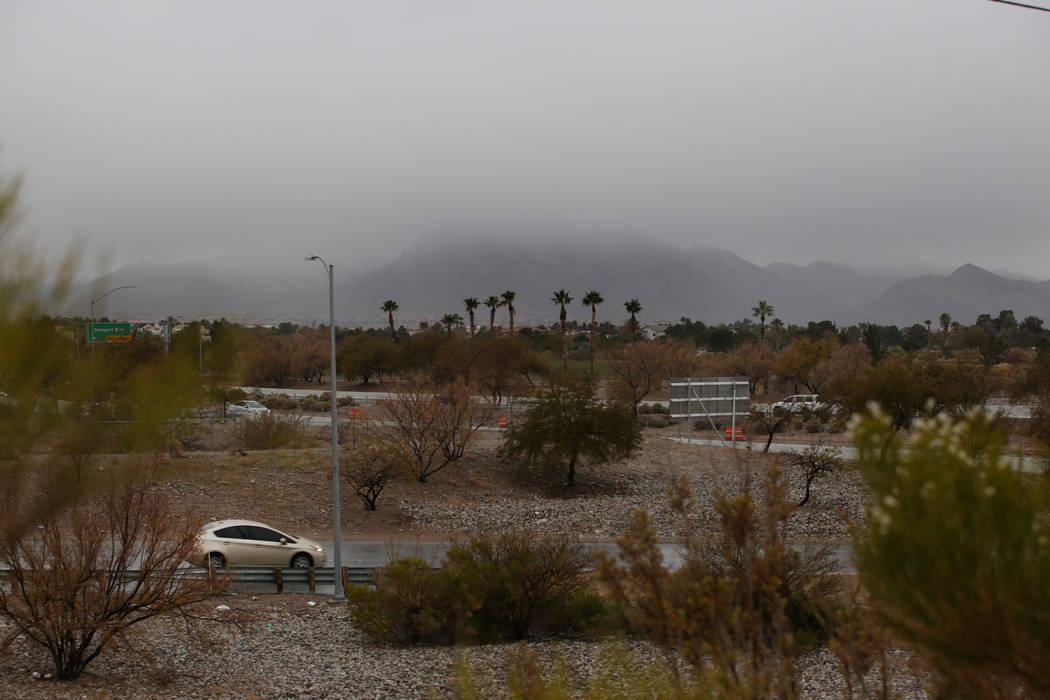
{"x": 719, "y": 390}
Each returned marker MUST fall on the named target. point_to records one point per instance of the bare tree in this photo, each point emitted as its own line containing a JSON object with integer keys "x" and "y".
{"x": 433, "y": 424}
{"x": 765, "y": 418}
{"x": 642, "y": 367}
{"x": 311, "y": 354}
{"x": 70, "y": 590}
{"x": 369, "y": 468}
{"x": 815, "y": 462}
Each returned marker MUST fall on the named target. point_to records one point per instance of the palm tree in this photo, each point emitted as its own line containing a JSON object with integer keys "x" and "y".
{"x": 508, "y": 301}
{"x": 777, "y": 326}
{"x": 471, "y": 303}
{"x": 592, "y": 299}
{"x": 451, "y": 321}
{"x": 946, "y": 324}
{"x": 493, "y": 303}
{"x": 390, "y": 306}
{"x": 633, "y": 307}
{"x": 561, "y": 298}
{"x": 762, "y": 312}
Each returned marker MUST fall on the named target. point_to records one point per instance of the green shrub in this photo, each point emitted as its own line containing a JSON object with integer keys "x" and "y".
{"x": 954, "y": 551}
{"x": 654, "y": 421}
{"x": 491, "y": 587}
{"x": 516, "y": 582}
{"x": 269, "y": 432}
{"x": 592, "y": 614}
{"x": 314, "y": 404}
{"x": 410, "y": 604}
{"x": 326, "y": 399}
{"x": 279, "y": 402}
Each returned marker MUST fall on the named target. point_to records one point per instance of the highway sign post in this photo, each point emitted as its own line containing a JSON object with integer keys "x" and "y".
{"x": 109, "y": 332}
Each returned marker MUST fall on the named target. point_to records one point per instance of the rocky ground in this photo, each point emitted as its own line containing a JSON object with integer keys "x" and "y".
{"x": 296, "y": 646}
{"x": 291, "y": 489}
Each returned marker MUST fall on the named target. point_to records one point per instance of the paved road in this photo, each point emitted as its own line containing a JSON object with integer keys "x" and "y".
{"x": 1025, "y": 463}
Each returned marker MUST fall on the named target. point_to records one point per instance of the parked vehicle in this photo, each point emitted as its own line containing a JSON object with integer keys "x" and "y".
{"x": 799, "y": 403}
{"x": 247, "y": 408}
{"x": 248, "y": 543}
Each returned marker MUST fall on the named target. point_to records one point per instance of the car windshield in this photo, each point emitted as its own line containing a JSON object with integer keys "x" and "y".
{"x": 253, "y": 404}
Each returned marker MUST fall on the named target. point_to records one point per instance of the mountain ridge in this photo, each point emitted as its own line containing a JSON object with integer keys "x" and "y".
{"x": 433, "y": 277}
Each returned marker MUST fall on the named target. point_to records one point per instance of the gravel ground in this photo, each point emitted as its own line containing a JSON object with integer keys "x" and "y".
{"x": 292, "y": 649}
{"x": 602, "y": 504}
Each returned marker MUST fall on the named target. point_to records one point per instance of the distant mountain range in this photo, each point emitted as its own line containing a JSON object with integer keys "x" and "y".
{"x": 432, "y": 279}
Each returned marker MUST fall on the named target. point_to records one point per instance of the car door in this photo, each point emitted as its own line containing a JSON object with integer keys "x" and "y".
{"x": 234, "y": 546}
{"x": 267, "y": 547}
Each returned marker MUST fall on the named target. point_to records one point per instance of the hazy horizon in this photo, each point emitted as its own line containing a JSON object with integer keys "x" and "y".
{"x": 885, "y": 136}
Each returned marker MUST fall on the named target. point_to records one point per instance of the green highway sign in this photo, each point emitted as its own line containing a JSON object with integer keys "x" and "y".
{"x": 109, "y": 332}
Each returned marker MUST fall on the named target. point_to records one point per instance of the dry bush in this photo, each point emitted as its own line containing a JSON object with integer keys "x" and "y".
{"x": 270, "y": 432}
{"x": 433, "y": 424}
{"x": 641, "y": 368}
{"x": 815, "y": 462}
{"x": 768, "y": 420}
{"x": 517, "y": 582}
{"x": 741, "y": 603}
{"x": 369, "y": 467}
{"x": 408, "y": 605}
{"x": 491, "y": 587}
{"x": 69, "y": 585}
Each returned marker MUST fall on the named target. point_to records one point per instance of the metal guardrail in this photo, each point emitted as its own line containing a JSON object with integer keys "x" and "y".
{"x": 311, "y": 577}
{"x": 263, "y": 576}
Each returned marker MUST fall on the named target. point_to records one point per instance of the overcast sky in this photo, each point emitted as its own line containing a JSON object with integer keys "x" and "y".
{"x": 870, "y": 133}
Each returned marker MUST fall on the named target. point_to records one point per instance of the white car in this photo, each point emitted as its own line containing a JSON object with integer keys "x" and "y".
{"x": 245, "y": 542}
{"x": 798, "y": 403}
{"x": 247, "y": 408}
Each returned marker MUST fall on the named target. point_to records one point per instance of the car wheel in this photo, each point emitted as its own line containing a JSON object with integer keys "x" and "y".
{"x": 216, "y": 561}
{"x": 302, "y": 561}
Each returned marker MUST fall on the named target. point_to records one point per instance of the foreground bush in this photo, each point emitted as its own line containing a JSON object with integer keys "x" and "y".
{"x": 492, "y": 587}
{"x": 69, "y": 590}
{"x": 955, "y": 552}
{"x": 410, "y": 604}
{"x": 741, "y": 604}
{"x": 515, "y": 583}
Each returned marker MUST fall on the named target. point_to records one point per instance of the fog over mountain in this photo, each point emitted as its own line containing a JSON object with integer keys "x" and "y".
{"x": 704, "y": 283}
{"x": 881, "y": 134}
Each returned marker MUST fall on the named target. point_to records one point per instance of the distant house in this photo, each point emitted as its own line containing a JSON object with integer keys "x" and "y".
{"x": 652, "y": 331}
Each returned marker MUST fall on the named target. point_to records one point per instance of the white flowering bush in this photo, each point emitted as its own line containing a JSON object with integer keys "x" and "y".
{"x": 955, "y": 551}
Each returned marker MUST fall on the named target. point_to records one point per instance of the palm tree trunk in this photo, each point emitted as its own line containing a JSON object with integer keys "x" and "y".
{"x": 492, "y": 319}
{"x": 594, "y": 333}
{"x": 471, "y": 323}
{"x": 564, "y": 343}
{"x": 511, "y": 309}
{"x": 393, "y": 333}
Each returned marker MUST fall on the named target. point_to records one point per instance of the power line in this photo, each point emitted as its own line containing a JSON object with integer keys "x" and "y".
{"x": 1021, "y": 4}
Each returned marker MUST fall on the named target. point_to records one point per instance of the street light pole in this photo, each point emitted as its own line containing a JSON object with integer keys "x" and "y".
{"x": 95, "y": 301}
{"x": 339, "y": 595}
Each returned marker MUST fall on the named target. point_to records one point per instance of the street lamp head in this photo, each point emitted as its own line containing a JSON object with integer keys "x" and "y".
{"x": 311, "y": 257}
